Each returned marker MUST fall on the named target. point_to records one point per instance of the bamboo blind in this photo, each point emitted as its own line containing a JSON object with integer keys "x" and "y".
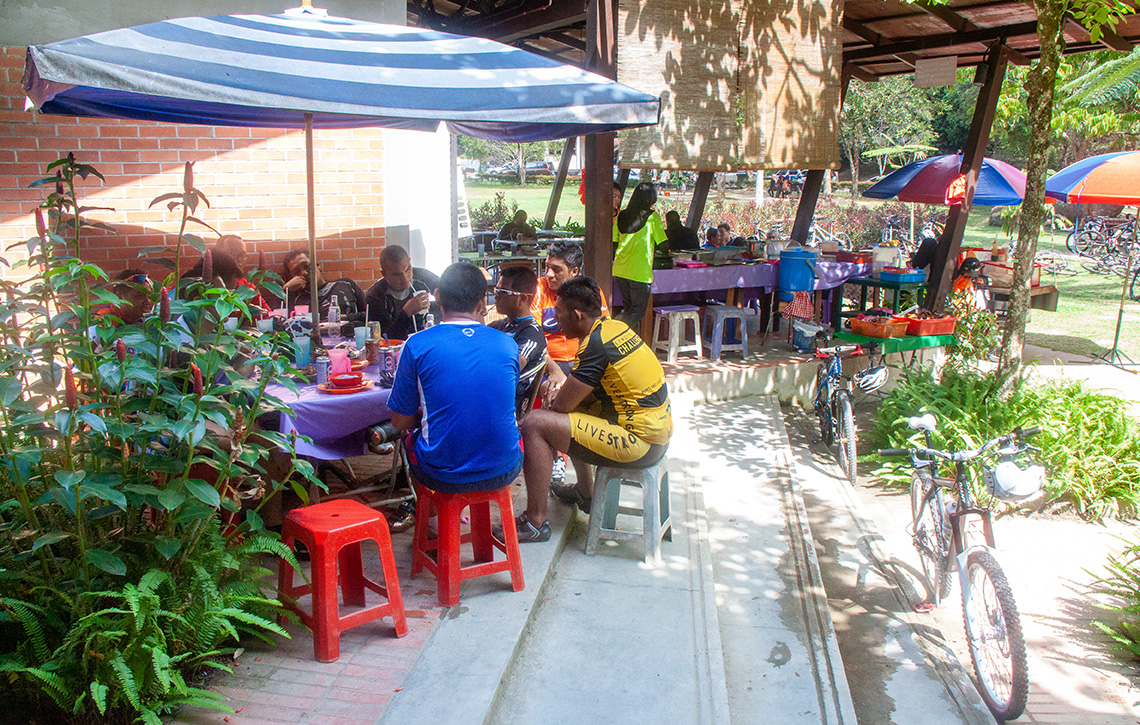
{"x": 743, "y": 84}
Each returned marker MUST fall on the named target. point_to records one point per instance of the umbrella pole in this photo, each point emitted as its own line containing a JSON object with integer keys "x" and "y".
{"x": 311, "y": 211}
{"x": 1115, "y": 357}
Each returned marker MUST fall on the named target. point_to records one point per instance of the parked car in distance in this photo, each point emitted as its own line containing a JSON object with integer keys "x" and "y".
{"x": 539, "y": 168}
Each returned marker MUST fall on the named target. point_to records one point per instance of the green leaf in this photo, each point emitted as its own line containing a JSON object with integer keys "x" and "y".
{"x": 48, "y": 539}
{"x": 104, "y": 493}
{"x": 170, "y": 500}
{"x": 167, "y": 546}
{"x": 99, "y": 695}
{"x": 9, "y": 390}
{"x": 96, "y": 423}
{"x": 195, "y": 241}
{"x": 67, "y": 479}
{"x": 204, "y": 492}
{"x": 107, "y": 561}
{"x": 165, "y": 197}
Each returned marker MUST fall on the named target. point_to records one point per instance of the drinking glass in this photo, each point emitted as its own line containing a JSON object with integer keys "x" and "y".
{"x": 265, "y": 325}
{"x": 304, "y": 347}
{"x": 338, "y": 361}
{"x": 361, "y": 337}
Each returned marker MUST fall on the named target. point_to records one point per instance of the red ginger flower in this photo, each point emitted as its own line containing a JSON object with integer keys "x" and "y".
{"x": 164, "y": 306}
{"x": 208, "y": 267}
{"x": 41, "y": 224}
{"x": 121, "y": 350}
{"x": 70, "y": 394}
{"x": 196, "y": 374}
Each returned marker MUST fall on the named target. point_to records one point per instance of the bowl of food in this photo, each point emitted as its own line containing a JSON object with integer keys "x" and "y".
{"x": 347, "y": 380}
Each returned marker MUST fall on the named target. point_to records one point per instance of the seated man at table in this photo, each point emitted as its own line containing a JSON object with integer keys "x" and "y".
{"x": 613, "y": 409}
{"x": 132, "y": 287}
{"x": 712, "y": 238}
{"x": 513, "y": 295}
{"x": 681, "y": 237}
{"x": 455, "y": 392}
{"x": 349, "y": 296}
{"x": 518, "y": 228}
{"x": 235, "y": 246}
{"x": 400, "y": 299}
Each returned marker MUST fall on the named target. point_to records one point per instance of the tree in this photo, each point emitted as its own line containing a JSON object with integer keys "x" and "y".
{"x": 889, "y": 113}
{"x": 1040, "y": 85}
{"x": 497, "y": 153}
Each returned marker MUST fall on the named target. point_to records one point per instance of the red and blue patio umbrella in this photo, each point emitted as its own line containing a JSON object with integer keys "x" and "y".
{"x": 932, "y": 181}
{"x": 1104, "y": 179}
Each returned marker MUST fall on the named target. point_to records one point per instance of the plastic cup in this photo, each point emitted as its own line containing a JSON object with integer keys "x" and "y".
{"x": 301, "y": 310}
{"x": 361, "y": 336}
{"x": 231, "y": 323}
{"x": 304, "y": 347}
{"x": 265, "y": 325}
{"x": 338, "y": 361}
{"x": 279, "y": 312}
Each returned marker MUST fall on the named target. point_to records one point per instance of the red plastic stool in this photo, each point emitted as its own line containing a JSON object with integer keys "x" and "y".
{"x": 333, "y": 532}
{"x": 445, "y": 565}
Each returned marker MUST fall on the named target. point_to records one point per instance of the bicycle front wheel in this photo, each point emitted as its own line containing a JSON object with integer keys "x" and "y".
{"x": 822, "y": 407}
{"x": 993, "y": 629}
{"x": 931, "y": 533}
{"x": 845, "y": 421}
{"x": 1134, "y": 287}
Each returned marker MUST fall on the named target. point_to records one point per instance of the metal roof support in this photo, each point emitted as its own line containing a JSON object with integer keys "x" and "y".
{"x": 946, "y": 257}
{"x": 598, "y": 170}
{"x": 559, "y": 183}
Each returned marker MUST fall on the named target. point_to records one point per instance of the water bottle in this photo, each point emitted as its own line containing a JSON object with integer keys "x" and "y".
{"x": 334, "y": 312}
{"x": 429, "y": 320}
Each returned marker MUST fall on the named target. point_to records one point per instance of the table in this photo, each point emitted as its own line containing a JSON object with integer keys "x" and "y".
{"x": 900, "y": 345}
{"x": 866, "y": 283}
{"x": 1042, "y": 297}
{"x": 336, "y": 423}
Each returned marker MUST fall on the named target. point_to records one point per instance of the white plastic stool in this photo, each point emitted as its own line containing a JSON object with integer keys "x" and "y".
{"x": 676, "y": 316}
{"x": 654, "y": 512}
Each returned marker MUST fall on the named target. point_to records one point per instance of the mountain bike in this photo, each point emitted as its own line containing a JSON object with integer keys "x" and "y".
{"x": 961, "y": 528}
{"x": 834, "y": 405}
{"x": 825, "y": 232}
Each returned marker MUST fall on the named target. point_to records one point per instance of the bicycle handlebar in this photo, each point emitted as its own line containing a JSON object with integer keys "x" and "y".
{"x": 927, "y": 454}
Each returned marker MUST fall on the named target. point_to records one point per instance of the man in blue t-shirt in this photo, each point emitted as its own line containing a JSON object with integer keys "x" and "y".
{"x": 455, "y": 390}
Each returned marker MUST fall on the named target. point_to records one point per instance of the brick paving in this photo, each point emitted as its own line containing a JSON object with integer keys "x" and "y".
{"x": 285, "y": 685}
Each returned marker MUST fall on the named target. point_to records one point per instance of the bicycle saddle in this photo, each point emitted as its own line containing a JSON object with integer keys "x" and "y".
{"x": 925, "y": 422}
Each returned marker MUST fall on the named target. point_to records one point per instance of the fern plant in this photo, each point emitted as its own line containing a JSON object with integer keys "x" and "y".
{"x": 1119, "y": 589}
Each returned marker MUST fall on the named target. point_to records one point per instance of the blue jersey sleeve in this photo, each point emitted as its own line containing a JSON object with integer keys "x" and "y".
{"x": 405, "y": 398}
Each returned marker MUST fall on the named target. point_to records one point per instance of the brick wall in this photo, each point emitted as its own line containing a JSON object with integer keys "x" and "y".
{"x": 254, "y": 179}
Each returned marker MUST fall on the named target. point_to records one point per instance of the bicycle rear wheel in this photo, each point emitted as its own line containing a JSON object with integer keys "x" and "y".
{"x": 931, "y": 533}
{"x": 993, "y": 629}
{"x": 1134, "y": 287}
{"x": 845, "y": 421}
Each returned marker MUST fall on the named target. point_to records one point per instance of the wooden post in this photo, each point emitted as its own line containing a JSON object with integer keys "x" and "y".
{"x": 311, "y": 213}
{"x": 700, "y": 196}
{"x": 598, "y": 170}
{"x": 945, "y": 257}
{"x": 805, "y": 212}
{"x": 559, "y": 183}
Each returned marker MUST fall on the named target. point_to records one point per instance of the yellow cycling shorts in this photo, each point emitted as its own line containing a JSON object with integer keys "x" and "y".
{"x": 599, "y": 442}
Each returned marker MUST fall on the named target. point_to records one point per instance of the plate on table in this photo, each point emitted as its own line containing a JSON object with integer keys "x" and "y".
{"x": 331, "y": 389}
{"x": 358, "y": 365}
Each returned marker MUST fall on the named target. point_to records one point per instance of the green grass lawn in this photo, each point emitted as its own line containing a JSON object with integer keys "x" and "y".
{"x": 1084, "y": 323}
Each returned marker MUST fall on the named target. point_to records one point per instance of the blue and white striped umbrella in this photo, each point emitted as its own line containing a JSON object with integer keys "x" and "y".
{"x": 271, "y": 70}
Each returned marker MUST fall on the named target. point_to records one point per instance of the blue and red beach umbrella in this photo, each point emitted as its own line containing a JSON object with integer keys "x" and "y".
{"x": 939, "y": 180}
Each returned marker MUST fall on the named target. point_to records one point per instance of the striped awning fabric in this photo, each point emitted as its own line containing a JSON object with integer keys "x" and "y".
{"x": 269, "y": 70}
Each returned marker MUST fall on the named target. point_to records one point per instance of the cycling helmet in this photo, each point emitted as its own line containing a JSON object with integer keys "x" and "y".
{"x": 871, "y": 379}
{"x": 970, "y": 266}
{"x": 1008, "y": 482}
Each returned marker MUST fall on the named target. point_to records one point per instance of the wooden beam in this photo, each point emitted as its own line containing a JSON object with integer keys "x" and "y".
{"x": 623, "y": 180}
{"x": 700, "y": 196}
{"x": 858, "y": 28}
{"x": 946, "y": 256}
{"x": 567, "y": 40}
{"x": 562, "y": 14}
{"x": 559, "y": 183}
{"x": 1107, "y": 38}
{"x": 809, "y": 197}
{"x": 944, "y": 40}
{"x": 598, "y": 170}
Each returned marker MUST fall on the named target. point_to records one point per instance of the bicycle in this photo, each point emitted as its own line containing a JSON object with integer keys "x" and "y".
{"x": 834, "y": 405}
{"x": 961, "y": 528}
{"x": 818, "y": 234}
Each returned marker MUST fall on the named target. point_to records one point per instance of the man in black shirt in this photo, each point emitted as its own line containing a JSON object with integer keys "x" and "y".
{"x": 400, "y": 300}
{"x": 518, "y": 228}
{"x": 513, "y": 297}
{"x": 681, "y": 238}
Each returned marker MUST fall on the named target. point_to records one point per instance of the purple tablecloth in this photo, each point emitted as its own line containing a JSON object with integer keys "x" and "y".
{"x": 336, "y": 423}
{"x": 743, "y": 276}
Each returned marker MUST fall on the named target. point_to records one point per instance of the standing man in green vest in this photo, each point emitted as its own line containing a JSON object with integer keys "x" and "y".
{"x": 637, "y": 232}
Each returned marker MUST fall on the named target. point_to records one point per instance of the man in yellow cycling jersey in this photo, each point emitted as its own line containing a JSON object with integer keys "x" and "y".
{"x": 613, "y": 408}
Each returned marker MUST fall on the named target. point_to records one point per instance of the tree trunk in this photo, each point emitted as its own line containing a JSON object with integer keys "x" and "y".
{"x": 854, "y": 160}
{"x": 1040, "y": 84}
{"x": 520, "y": 157}
{"x": 827, "y": 182}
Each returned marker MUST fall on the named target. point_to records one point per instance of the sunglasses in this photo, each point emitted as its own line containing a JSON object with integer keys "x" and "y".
{"x": 501, "y": 292}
